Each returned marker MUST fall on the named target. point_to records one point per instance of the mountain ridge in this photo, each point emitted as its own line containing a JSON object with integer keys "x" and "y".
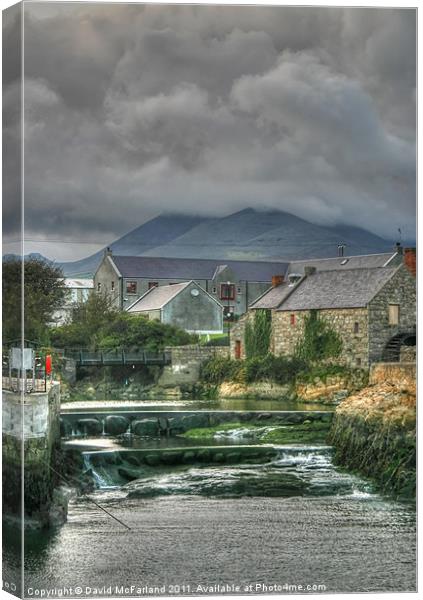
{"x": 247, "y": 234}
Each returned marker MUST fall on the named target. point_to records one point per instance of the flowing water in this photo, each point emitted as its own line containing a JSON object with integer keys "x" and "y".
{"x": 295, "y": 520}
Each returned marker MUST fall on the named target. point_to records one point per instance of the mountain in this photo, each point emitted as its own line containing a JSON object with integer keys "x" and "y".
{"x": 244, "y": 235}
{"x": 161, "y": 229}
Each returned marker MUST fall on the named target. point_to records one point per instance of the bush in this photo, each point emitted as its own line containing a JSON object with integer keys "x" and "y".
{"x": 219, "y": 369}
{"x": 277, "y": 369}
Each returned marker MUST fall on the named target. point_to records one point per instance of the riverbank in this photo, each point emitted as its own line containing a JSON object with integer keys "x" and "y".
{"x": 374, "y": 430}
{"x": 323, "y": 387}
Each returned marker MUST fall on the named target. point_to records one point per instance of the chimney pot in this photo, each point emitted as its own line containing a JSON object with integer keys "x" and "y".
{"x": 108, "y": 251}
{"x": 277, "y": 280}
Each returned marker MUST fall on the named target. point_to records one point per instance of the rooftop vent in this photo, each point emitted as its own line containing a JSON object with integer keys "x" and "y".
{"x": 293, "y": 278}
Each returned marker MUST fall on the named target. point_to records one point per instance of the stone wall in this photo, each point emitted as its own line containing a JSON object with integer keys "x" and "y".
{"x": 34, "y": 427}
{"x": 402, "y": 375}
{"x": 286, "y": 335}
{"x": 186, "y": 363}
{"x": 401, "y": 289}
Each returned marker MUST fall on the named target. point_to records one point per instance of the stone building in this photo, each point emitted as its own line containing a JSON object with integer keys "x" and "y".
{"x": 372, "y": 310}
{"x": 185, "y": 305}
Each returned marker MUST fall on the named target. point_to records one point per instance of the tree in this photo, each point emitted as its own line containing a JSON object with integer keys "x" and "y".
{"x": 88, "y": 319}
{"x": 319, "y": 341}
{"x": 43, "y": 293}
{"x": 99, "y": 326}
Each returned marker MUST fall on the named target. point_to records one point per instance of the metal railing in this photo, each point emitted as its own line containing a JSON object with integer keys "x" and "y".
{"x": 119, "y": 356}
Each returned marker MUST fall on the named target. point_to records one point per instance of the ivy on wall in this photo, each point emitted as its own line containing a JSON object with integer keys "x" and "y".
{"x": 257, "y": 334}
{"x": 319, "y": 342}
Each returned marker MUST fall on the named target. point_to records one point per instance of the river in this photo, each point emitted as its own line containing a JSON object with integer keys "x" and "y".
{"x": 294, "y": 521}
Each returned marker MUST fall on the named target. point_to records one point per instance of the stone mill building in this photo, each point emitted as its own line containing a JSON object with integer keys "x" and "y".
{"x": 373, "y": 310}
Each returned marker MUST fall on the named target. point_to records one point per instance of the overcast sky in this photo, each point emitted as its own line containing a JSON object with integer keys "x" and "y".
{"x": 131, "y": 110}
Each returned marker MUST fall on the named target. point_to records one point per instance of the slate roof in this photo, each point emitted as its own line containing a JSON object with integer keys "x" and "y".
{"x": 188, "y": 268}
{"x": 273, "y": 297}
{"x": 365, "y": 261}
{"x": 157, "y": 297}
{"x": 337, "y": 289}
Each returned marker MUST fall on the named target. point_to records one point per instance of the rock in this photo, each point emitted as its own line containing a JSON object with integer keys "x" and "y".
{"x": 263, "y": 416}
{"x": 90, "y": 426}
{"x": 195, "y": 421}
{"x": 132, "y": 460}
{"x": 152, "y": 460}
{"x": 171, "y": 458}
{"x": 116, "y": 425}
{"x": 203, "y": 455}
{"x": 219, "y": 457}
{"x": 129, "y": 474}
{"x": 189, "y": 456}
{"x": 145, "y": 427}
{"x": 233, "y": 457}
{"x": 163, "y": 424}
{"x": 176, "y": 425}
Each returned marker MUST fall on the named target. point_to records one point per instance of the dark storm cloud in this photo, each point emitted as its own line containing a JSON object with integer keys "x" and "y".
{"x": 131, "y": 110}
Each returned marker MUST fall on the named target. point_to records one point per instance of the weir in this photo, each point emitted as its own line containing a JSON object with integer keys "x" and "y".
{"x": 162, "y": 422}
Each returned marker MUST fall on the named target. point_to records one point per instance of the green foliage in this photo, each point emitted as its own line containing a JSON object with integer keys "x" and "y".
{"x": 98, "y": 326}
{"x": 257, "y": 334}
{"x": 278, "y": 369}
{"x": 88, "y": 319}
{"x": 43, "y": 293}
{"x": 219, "y": 369}
{"x": 319, "y": 342}
{"x": 138, "y": 332}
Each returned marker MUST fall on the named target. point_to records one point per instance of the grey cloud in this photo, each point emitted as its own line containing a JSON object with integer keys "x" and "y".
{"x": 131, "y": 110}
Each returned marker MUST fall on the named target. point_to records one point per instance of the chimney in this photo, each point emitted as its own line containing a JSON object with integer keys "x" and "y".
{"x": 341, "y": 249}
{"x": 277, "y": 280}
{"x": 309, "y": 271}
{"x": 410, "y": 260}
{"x": 398, "y": 248}
{"x": 108, "y": 251}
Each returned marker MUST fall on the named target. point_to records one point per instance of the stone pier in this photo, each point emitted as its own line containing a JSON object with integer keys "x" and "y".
{"x": 31, "y": 434}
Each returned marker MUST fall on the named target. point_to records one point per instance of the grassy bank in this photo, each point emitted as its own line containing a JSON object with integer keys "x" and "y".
{"x": 374, "y": 434}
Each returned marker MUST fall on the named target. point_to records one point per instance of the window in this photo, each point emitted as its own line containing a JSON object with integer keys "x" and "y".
{"x": 112, "y": 286}
{"x": 356, "y": 327}
{"x": 153, "y": 284}
{"x": 393, "y": 314}
{"x": 358, "y": 361}
{"x": 292, "y": 319}
{"x": 213, "y": 290}
{"x": 227, "y": 291}
{"x": 239, "y": 290}
{"x": 98, "y": 287}
{"x": 131, "y": 287}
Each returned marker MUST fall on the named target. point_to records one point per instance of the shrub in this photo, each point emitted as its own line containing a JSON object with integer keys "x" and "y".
{"x": 218, "y": 369}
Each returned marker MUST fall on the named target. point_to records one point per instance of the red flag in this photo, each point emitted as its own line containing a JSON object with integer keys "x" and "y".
{"x": 48, "y": 364}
